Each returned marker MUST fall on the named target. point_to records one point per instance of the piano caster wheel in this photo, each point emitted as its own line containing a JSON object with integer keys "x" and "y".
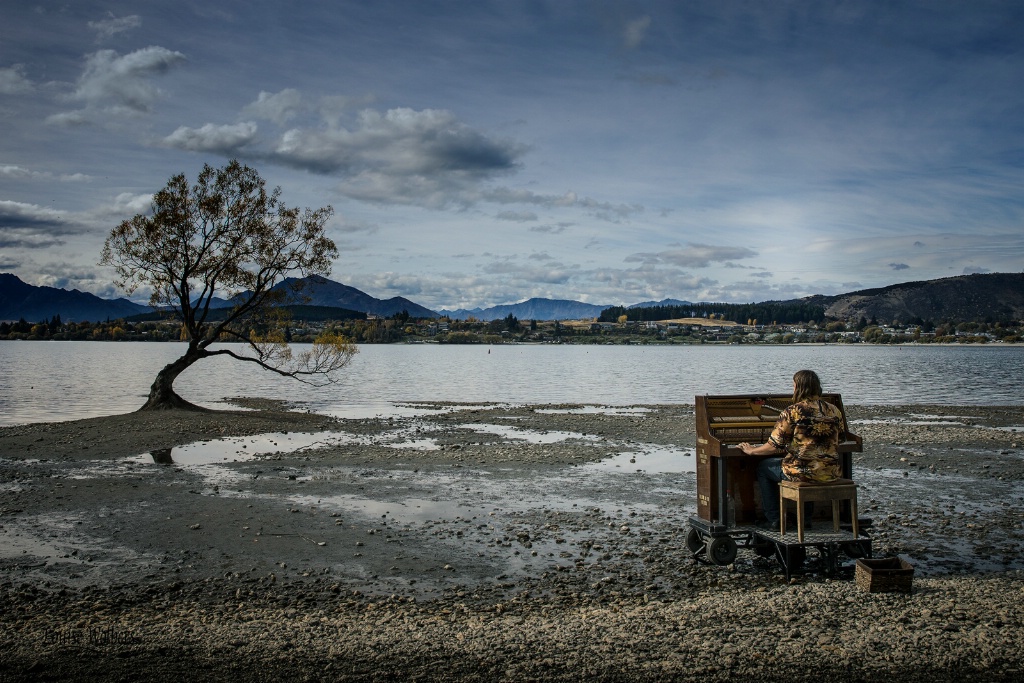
{"x": 694, "y": 543}
{"x": 722, "y": 550}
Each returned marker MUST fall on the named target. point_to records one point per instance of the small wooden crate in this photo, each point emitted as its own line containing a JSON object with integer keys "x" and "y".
{"x": 885, "y": 575}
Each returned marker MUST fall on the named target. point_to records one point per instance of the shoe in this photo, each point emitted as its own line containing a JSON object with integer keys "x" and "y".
{"x": 768, "y": 525}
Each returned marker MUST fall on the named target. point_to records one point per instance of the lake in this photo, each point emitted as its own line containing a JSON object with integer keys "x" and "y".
{"x": 48, "y": 381}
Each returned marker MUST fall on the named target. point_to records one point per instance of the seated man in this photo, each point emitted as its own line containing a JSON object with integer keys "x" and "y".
{"x": 808, "y": 430}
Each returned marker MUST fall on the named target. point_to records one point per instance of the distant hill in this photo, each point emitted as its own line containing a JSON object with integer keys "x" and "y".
{"x": 319, "y": 291}
{"x": 297, "y": 312}
{"x": 663, "y": 302}
{"x": 21, "y": 300}
{"x": 980, "y": 297}
{"x": 531, "y": 309}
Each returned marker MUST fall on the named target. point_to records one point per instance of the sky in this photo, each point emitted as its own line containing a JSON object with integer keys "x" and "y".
{"x": 484, "y": 152}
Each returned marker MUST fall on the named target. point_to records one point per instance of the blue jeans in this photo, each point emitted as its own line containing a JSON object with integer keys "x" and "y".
{"x": 769, "y": 474}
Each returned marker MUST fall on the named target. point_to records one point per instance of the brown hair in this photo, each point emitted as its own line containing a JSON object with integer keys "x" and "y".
{"x": 806, "y": 385}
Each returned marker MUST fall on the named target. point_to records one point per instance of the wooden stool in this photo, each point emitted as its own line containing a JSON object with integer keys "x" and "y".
{"x": 809, "y": 492}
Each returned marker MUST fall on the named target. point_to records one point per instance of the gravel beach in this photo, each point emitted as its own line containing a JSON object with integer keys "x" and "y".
{"x": 484, "y": 543}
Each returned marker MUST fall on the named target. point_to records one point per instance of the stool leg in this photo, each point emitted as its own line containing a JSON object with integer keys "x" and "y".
{"x": 799, "y": 517}
{"x": 835, "y": 516}
{"x": 782, "y": 513}
{"x": 853, "y": 514}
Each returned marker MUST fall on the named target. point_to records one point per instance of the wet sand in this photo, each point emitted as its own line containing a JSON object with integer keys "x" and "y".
{"x": 492, "y": 542}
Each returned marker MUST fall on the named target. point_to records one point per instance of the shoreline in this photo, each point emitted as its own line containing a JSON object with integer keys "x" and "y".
{"x": 485, "y": 542}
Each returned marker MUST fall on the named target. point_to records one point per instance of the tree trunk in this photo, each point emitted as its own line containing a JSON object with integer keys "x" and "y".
{"x": 161, "y": 394}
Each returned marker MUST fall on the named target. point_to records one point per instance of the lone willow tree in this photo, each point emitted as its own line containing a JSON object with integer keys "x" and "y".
{"x": 226, "y": 236}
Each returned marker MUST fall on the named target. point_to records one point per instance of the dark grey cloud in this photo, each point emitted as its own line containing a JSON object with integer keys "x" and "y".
{"x": 21, "y": 216}
{"x": 899, "y": 266}
{"x": 26, "y": 226}
{"x": 400, "y": 156}
{"x": 18, "y": 239}
{"x": 398, "y": 142}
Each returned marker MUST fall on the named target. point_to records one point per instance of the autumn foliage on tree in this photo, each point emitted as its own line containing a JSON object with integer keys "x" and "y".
{"x": 226, "y": 236}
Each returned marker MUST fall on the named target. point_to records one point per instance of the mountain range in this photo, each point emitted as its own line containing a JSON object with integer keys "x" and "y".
{"x": 997, "y": 296}
{"x": 35, "y": 304}
{"x": 531, "y": 309}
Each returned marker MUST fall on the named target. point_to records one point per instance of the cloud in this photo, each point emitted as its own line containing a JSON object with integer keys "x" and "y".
{"x": 635, "y": 32}
{"x": 227, "y": 139}
{"x": 603, "y": 210}
{"x": 400, "y": 143}
{"x": 121, "y": 84}
{"x": 18, "y": 172}
{"x": 28, "y": 226}
{"x": 13, "y": 81}
{"x": 972, "y": 270}
{"x": 69, "y": 119}
{"x": 63, "y": 275}
{"x": 278, "y": 107}
{"x": 108, "y": 28}
{"x": 899, "y": 266}
{"x": 692, "y": 256}
{"x": 128, "y": 203}
{"x": 402, "y": 156}
{"x": 18, "y": 240}
{"x": 424, "y": 158}
{"x": 554, "y": 274}
{"x": 517, "y": 216}
{"x": 551, "y": 229}
{"x": 18, "y": 215}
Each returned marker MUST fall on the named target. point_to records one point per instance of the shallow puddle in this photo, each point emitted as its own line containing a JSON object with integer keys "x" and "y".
{"x": 653, "y": 459}
{"x": 242, "y": 448}
{"x": 527, "y": 435}
{"x": 384, "y": 410}
{"x": 416, "y": 445}
{"x": 594, "y": 410}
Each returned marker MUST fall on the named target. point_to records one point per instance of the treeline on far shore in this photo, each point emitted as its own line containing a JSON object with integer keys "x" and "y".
{"x": 401, "y": 328}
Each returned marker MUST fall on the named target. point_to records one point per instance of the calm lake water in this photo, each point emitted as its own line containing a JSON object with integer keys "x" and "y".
{"x": 47, "y": 381}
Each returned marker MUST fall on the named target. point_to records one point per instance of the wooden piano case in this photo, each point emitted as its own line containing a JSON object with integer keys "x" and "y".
{"x": 723, "y": 469}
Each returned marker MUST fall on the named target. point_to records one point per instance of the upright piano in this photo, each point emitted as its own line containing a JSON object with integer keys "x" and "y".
{"x": 724, "y": 471}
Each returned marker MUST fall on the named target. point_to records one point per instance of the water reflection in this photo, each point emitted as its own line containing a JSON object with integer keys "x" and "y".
{"x": 244, "y": 448}
{"x": 162, "y": 456}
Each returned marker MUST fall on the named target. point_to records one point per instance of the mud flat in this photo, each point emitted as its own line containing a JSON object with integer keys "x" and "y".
{"x": 483, "y": 542}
